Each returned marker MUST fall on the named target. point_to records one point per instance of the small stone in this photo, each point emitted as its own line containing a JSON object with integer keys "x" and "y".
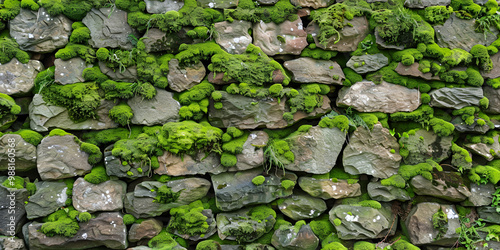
{"x": 284, "y": 38}
{"x": 367, "y": 63}
{"x": 161, "y": 109}
{"x": 379, "y": 192}
{"x": 289, "y": 237}
{"x": 439, "y": 188}
{"x": 70, "y": 71}
{"x": 350, "y": 35}
{"x": 147, "y": 229}
{"x": 160, "y": 7}
{"x": 301, "y": 206}
{"x": 25, "y": 153}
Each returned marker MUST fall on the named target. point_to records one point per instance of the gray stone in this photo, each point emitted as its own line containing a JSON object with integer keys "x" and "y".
{"x": 105, "y": 196}
{"x": 284, "y": 38}
{"x": 114, "y": 166}
{"x": 460, "y": 33}
{"x": 160, "y": 7}
{"x": 129, "y": 74}
{"x": 367, "y": 63}
{"x": 147, "y": 229}
{"x": 184, "y": 78}
{"x": 301, "y": 206}
{"x": 439, "y": 188}
{"x": 493, "y": 96}
{"x": 107, "y": 229}
{"x": 60, "y": 157}
{"x": 379, "y": 192}
{"x": 44, "y": 116}
{"x": 484, "y": 149}
{"x": 489, "y": 214}
{"x": 369, "y": 152}
{"x": 495, "y": 72}
{"x": 308, "y": 70}
{"x": 350, "y": 36}
{"x": 211, "y": 230}
{"x": 413, "y": 70}
{"x": 217, "y": 4}
{"x": 481, "y": 195}
{"x": 289, "y": 237}
{"x": 156, "y": 40}
{"x": 25, "y": 153}
{"x": 240, "y": 226}
{"x": 385, "y": 97}
{"x": 234, "y": 190}
{"x": 161, "y": 109}
{"x": 12, "y": 198}
{"x": 252, "y": 155}
{"x": 37, "y": 31}
{"x": 421, "y": 229}
{"x": 462, "y": 127}
{"x": 421, "y": 4}
{"x": 17, "y": 79}
{"x": 456, "y": 98}
{"x": 315, "y": 4}
{"x": 200, "y": 163}
{"x": 233, "y": 37}
{"x": 109, "y": 28}
{"x": 267, "y": 2}
{"x": 49, "y": 197}
{"x": 12, "y": 243}
{"x": 315, "y": 151}
{"x": 359, "y": 222}
{"x": 328, "y": 188}
{"x": 70, "y": 71}
{"x": 431, "y": 146}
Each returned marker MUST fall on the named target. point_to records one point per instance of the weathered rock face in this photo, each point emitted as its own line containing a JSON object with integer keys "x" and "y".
{"x": 315, "y": 151}
{"x": 236, "y": 190}
{"x": 160, "y": 7}
{"x": 107, "y": 229}
{"x": 484, "y": 149}
{"x": 363, "y": 222}
{"x": 49, "y": 197}
{"x": 489, "y": 214}
{"x": 350, "y": 36}
{"x": 284, "y": 38}
{"x": 380, "y": 42}
{"x": 252, "y": 155}
{"x": 129, "y": 74}
{"x": 379, "y": 192}
{"x": 13, "y": 200}
{"x": 217, "y": 4}
{"x": 421, "y": 4}
{"x": 60, "y": 157}
{"x": 307, "y": 70}
{"x": 308, "y": 3}
{"x": 12, "y": 243}
{"x": 421, "y": 229}
{"x": 413, "y": 70}
{"x": 328, "y": 189}
{"x": 459, "y": 33}
{"x": 367, "y": 63}
{"x": 385, "y": 97}
{"x": 156, "y": 40}
{"x": 180, "y": 79}
{"x": 114, "y": 166}
{"x": 495, "y": 72}
{"x": 369, "y": 152}
{"x": 201, "y": 163}
{"x": 109, "y": 28}
{"x": 25, "y": 153}
{"x": 70, "y": 71}
{"x": 493, "y": 96}
{"x": 147, "y": 229}
{"x": 37, "y": 31}
{"x": 439, "y": 188}
{"x": 481, "y": 195}
{"x": 431, "y": 146}
{"x": 462, "y": 127}
{"x": 161, "y": 109}
{"x": 17, "y": 78}
{"x": 44, "y": 116}
{"x": 240, "y": 226}
{"x": 292, "y": 238}
{"x": 455, "y": 98}
{"x": 106, "y": 196}
{"x": 301, "y": 206}
{"x": 233, "y": 37}
{"x": 238, "y": 111}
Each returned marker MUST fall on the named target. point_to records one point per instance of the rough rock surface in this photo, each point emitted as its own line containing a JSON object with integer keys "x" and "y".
{"x": 481, "y": 195}
{"x": 421, "y": 4}
{"x": 156, "y": 40}
{"x": 37, "y": 31}
{"x": 70, "y": 71}
{"x": 160, "y": 7}
{"x": 11, "y": 197}
{"x": 252, "y": 155}
{"x": 12, "y": 243}
{"x": 310, "y": 3}
{"x": 284, "y": 38}
{"x": 380, "y": 42}
{"x": 493, "y": 96}
{"x": 462, "y": 127}
{"x": 379, "y": 192}
{"x": 495, "y": 72}
{"x": 328, "y": 189}
{"x": 308, "y": 70}
{"x": 25, "y": 153}
{"x": 233, "y": 37}
{"x": 217, "y": 4}
{"x": 60, "y": 157}
{"x": 431, "y": 146}
{"x": 484, "y": 149}
{"x": 129, "y": 74}
{"x": 161, "y": 109}
{"x": 184, "y": 78}
{"x": 114, "y": 166}
{"x": 17, "y": 78}
{"x": 412, "y": 70}
{"x": 301, "y": 206}
{"x": 385, "y": 97}
{"x": 106, "y": 196}
{"x": 456, "y": 98}
{"x": 367, "y": 63}
{"x": 369, "y": 152}
{"x": 147, "y": 229}
{"x": 48, "y": 198}
{"x": 229, "y": 224}
{"x": 200, "y": 163}
{"x": 292, "y": 238}
{"x": 439, "y": 188}
{"x": 489, "y": 214}
{"x": 109, "y": 28}
{"x": 349, "y": 36}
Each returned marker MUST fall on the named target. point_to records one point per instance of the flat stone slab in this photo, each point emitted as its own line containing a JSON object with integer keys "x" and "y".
{"x": 17, "y": 78}
{"x": 456, "y": 98}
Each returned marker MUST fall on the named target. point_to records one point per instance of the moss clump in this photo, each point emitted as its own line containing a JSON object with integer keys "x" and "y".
{"x": 153, "y": 69}
{"x": 84, "y": 217}
{"x": 163, "y": 240}
{"x": 440, "y": 222}
{"x": 331, "y": 20}
{"x": 423, "y": 169}
{"x": 109, "y": 136}
{"x": 121, "y": 114}
{"x": 11, "y": 9}
{"x": 279, "y": 12}
{"x": 322, "y": 227}
{"x": 128, "y": 219}
{"x": 258, "y": 180}
{"x": 484, "y": 174}
{"x": 95, "y": 154}
{"x": 334, "y": 246}
{"x": 10, "y": 49}
{"x": 287, "y": 184}
{"x": 195, "y": 101}
{"x": 437, "y": 14}
{"x": 97, "y": 175}
{"x": 30, "y": 136}
{"x": 317, "y": 53}
{"x": 14, "y": 182}
{"x": 60, "y": 223}
{"x": 208, "y": 245}
{"x": 461, "y": 158}
{"x": 228, "y": 159}
{"x": 188, "y": 219}
{"x": 482, "y": 58}
{"x": 139, "y": 149}
{"x": 351, "y": 77}
{"x": 189, "y": 136}
{"x": 80, "y": 34}
{"x": 395, "y": 180}
{"x": 165, "y": 195}
{"x": 76, "y": 50}
{"x": 117, "y": 59}
{"x": 8, "y": 107}
{"x": 339, "y": 121}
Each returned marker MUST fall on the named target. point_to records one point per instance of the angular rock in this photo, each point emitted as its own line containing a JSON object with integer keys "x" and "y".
{"x": 109, "y": 28}
{"x": 240, "y": 226}
{"x": 284, "y": 38}
{"x": 460, "y": 33}
{"x": 379, "y": 192}
{"x": 421, "y": 229}
{"x": 359, "y": 222}
{"x": 233, "y": 37}
{"x": 70, "y": 71}
{"x": 308, "y": 70}
{"x": 211, "y": 230}
{"x": 12, "y": 243}
{"x": 25, "y": 153}
{"x": 293, "y": 238}
{"x": 421, "y": 4}
{"x": 17, "y": 79}
{"x": 241, "y": 112}
{"x": 328, "y": 189}
{"x": 431, "y": 146}
{"x": 367, "y": 63}
{"x": 385, "y": 97}
{"x": 440, "y": 188}
{"x": 107, "y": 229}
{"x": 160, "y": 7}
{"x": 37, "y": 31}
{"x": 495, "y": 72}
{"x": 156, "y": 40}
{"x": 462, "y": 127}
{"x": 489, "y": 214}
{"x": 49, "y": 197}
{"x": 413, "y": 70}
{"x": 127, "y": 75}
{"x": 184, "y": 78}
{"x": 12, "y": 200}
{"x": 456, "y": 98}
{"x": 369, "y": 152}
{"x": 60, "y": 157}
{"x": 140, "y": 202}
{"x": 200, "y": 163}
{"x": 481, "y": 195}
{"x": 44, "y": 116}
{"x": 106, "y": 196}
{"x": 147, "y": 229}
{"x": 350, "y": 36}
{"x": 252, "y": 155}
{"x": 236, "y": 190}
{"x": 315, "y": 151}
{"x": 301, "y": 206}
{"x": 217, "y": 4}
{"x": 484, "y": 149}
{"x": 308, "y": 3}
{"x": 493, "y": 96}
{"x": 114, "y": 166}
{"x": 161, "y": 109}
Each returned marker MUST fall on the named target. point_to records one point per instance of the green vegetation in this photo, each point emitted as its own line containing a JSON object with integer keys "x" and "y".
{"x": 10, "y": 48}
{"x": 423, "y": 169}
{"x": 395, "y": 180}
{"x": 128, "y": 219}
{"x": 188, "y": 219}
{"x": 165, "y": 195}
{"x": 322, "y": 227}
{"x": 163, "y": 240}
{"x": 60, "y": 223}
{"x": 97, "y": 175}
{"x": 121, "y": 114}
{"x": 258, "y": 180}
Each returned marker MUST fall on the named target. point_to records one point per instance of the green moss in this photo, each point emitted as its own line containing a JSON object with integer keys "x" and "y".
{"x": 131, "y": 5}
{"x": 188, "y": 219}
{"x": 163, "y": 240}
{"x": 258, "y": 180}
{"x": 481, "y": 56}
{"x": 340, "y": 121}
{"x": 29, "y": 4}
{"x": 395, "y": 180}
{"x": 484, "y": 103}
{"x": 108, "y": 136}
{"x": 11, "y": 9}
{"x": 407, "y": 56}
{"x": 121, "y": 114}
{"x": 8, "y": 106}
{"x": 424, "y": 169}
{"x": 60, "y": 223}
{"x": 461, "y": 158}
{"x": 165, "y": 195}
{"x": 128, "y": 219}
{"x": 322, "y": 227}
{"x": 196, "y": 93}
{"x": 80, "y": 34}
{"x": 437, "y": 14}
{"x": 287, "y": 184}
{"x": 317, "y": 53}
{"x": 228, "y": 159}
{"x": 277, "y": 13}
{"x": 84, "y": 217}
{"x": 208, "y": 245}
{"x": 95, "y": 154}
{"x": 441, "y": 127}
{"x": 188, "y": 136}
{"x": 76, "y": 50}
{"x": 97, "y": 175}
{"x": 14, "y": 182}
{"x": 235, "y": 146}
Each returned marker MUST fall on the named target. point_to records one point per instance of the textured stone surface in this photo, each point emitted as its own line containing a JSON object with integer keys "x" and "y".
{"x": 147, "y": 229}
{"x": 105, "y": 196}
{"x": 493, "y": 96}
{"x": 211, "y": 230}
{"x": 349, "y": 36}
{"x": 379, "y": 192}
{"x": 369, "y": 152}
{"x": 484, "y": 149}
{"x": 127, "y": 75}
{"x": 200, "y": 163}
{"x": 70, "y": 71}
{"x": 12, "y": 243}
{"x": 431, "y": 146}
{"x": 495, "y": 72}
{"x": 49, "y": 197}
{"x": 161, "y": 109}
{"x": 439, "y": 188}
{"x": 160, "y": 7}
{"x": 489, "y": 214}
{"x": 380, "y": 42}
{"x": 308, "y": 70}
{"x": 11, "y": 198}
{"x": 301, "y": 206}
{"x": 284, "y": 38}
{"x": 456, "y": 98}
{"x": 367, "y": 63}
{"x": 310, "y": 3}
{"x": 474, "y": 128}
{"x": 114, "y": 166}
{"x": 252, "y": 155}
{"x": 233, "y": 37}
{"x": 385, "y": 97}
{"x": 412, "y": 70}
{"x": 328, "y": 189}
{"x": 288, "y": 237}
{"x": 228, "y": 224}
{"x": 481, "y": 195}
{"x": 184, "y": 78}
{"x": 37, "y": 31}
{"x": 217, "y": 4}
{"x": 25, "y": 153}
{"x": 17, "y": 78}
{"x": 156, "y": 40}
{"x": 420, "y": 4}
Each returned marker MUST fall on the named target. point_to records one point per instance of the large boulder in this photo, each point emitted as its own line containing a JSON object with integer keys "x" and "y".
{"x": 493, "y": 96}
{"x": 160, "y": 7}
{"x": 367, "y": 63}
{"x": 301, "y": 206}
{"x": 385, "y": 97}
{"x": 49, "y": 197}
{"x": 424, "y": 145}
{"x": 233, "y": 37}
{"x": 350, "y": 35}
{"x": 456, "y": 98}
{"x": 369, "y": 152}
{"x": 241, "y": 226}
{"x": 161, "y": 109}
{"x": 24, "y": 155}
{"x": 37, "y": 31}
{"x": 379, "y": 192}
{"x": 329, "y": 188}
{"x": 199, "y": 163}
{"x": 106, "y": 196}
{"x": 12, "y": 205}
{"x": 440, "y": 186}
{"x": 308, "y": 70}
{"x": 17, "y": 79}
{"x": 184, "y": 78}
{"x": 295, "y": 237}
{"x": 70, "y": 71}
{"x": 285, "y": 38}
